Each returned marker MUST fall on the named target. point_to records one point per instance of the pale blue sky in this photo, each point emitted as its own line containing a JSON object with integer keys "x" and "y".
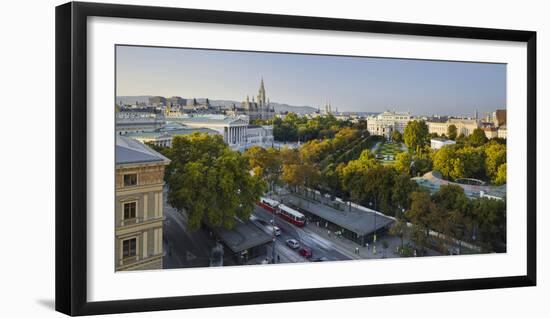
{"x": 350, "y": 83}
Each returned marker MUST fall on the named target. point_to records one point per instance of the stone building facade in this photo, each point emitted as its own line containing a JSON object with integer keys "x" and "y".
{"x": 463, "y": 126}
{"x": 386, "y": 123}
{"x": 139, "y": 217}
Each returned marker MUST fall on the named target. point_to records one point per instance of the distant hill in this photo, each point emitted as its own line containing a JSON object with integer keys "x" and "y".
{"x": 132, "y": 99}
{"x": 294, "y": 109}
{"x": 223, "y": 103}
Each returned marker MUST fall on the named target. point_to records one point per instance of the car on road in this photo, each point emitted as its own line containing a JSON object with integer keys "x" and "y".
{"x": 304, "y": 252}
{"x": 292, "y": 243}
{"x": 274, "y": 229}
{"x": 320, "y": 259}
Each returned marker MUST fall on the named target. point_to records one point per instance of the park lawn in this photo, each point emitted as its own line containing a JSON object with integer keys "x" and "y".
{"x": 388, "y": 148}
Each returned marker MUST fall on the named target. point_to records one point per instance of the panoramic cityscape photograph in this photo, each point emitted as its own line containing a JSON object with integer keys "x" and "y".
{"x": 227, "y": 158}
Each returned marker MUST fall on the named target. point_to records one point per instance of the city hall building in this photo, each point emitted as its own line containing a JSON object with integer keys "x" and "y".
{"x": 138, "y": 205}
{"x": 259, "y": 108}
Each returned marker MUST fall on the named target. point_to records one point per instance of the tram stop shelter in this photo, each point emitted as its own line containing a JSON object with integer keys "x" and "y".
{"x": 244, "y": 241}
{"x": 356, "y": 225}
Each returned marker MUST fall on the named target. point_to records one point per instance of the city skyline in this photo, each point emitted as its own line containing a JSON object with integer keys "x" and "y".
{"x": 356, "y": 84}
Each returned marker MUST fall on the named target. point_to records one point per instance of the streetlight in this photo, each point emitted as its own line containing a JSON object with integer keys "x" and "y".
{"x": 274, "y": 238}
{"x": 374, "y": 211}
{"x": 272, "y": 225}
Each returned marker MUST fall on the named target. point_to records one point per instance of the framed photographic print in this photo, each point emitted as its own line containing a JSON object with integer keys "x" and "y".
{"x": 209, "y": 158}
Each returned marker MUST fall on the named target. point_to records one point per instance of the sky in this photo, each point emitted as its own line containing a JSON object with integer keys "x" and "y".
{"x": 423, "y": 87}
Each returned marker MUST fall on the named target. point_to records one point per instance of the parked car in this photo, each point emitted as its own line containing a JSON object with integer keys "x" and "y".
{"x": 304, "y": 252}
{"x": 292, "y": 243}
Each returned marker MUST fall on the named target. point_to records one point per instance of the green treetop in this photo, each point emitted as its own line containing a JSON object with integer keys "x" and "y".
{"x": 452, "y": 132}
{"x": 210, "y": 182}
{"x": 416, "y": 135}
{"x": 477, "y": 138}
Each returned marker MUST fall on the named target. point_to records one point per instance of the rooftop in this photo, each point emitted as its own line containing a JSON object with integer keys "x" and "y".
{"x": 209, "y": 119}
{"x": 443, "y": 140}
{"x": 260, "y": 126}
{"x": 168, "y": 133}
{"x": 243, "y": 236}
{"x": 357, "y": 221}
{"x": 462, "y": 121}
{"x": 130, "y": 151}
{"x": 432, "y": 181}
{"x": 394, "y": 112}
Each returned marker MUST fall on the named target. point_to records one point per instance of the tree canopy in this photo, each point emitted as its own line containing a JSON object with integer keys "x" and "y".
{"x": 382, "y": 187}
{"x": 495, "y": 156}
{"x": 210, "y": 182}
{"x": 353, "y": 174}
{"x": 265, "y": 163}
{"x": 454, "y": 162}
{"x": 452, "y": 132}
{"x": 403, "y": 162}
{"x": 415, "y": 135}
{"x": 465, "y": 161}
{"x": 489, "y": 217}
{"x": 424, "y": 215}
{"x": 450, "y": 212}
{"x": 501, "y": 175}
{"x": 396, "y": 136}
{"x": 296, "y": 128}
{"x": 477, "y": 138}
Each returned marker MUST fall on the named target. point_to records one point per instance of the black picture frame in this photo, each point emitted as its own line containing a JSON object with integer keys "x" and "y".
{"x": 71, "y": 157}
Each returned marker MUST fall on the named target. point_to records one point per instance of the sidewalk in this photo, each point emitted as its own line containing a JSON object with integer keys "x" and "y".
{"x": 358, "y": 208}
{"x": 346, "y": 246}
{"x": 349, "y": 248}
{"x": 343, "y": 245}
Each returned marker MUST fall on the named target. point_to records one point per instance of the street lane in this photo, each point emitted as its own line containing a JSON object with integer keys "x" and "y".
{"x": 184, "y": 248}
{"x": 319, "y": 246}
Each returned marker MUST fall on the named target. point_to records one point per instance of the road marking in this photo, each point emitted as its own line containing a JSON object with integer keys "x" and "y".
{"x": 189, "y": 256}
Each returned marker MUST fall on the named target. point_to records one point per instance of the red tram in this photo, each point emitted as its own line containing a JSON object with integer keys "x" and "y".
{"x": 288, "y": 214}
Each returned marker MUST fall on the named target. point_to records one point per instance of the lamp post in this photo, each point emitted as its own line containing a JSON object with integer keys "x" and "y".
{"x": 273, "y": 239}
{"x": 272, "y": 225}
{"x": 374, "y": 211}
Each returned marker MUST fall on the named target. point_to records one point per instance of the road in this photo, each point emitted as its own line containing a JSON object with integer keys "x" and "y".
{"x": 184, "y": 248}
{"x": 320, "y": 247}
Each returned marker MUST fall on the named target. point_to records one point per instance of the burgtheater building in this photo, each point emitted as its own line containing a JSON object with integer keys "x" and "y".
{"x": 138, "y": 205}
{"x": 384, "y": 124}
